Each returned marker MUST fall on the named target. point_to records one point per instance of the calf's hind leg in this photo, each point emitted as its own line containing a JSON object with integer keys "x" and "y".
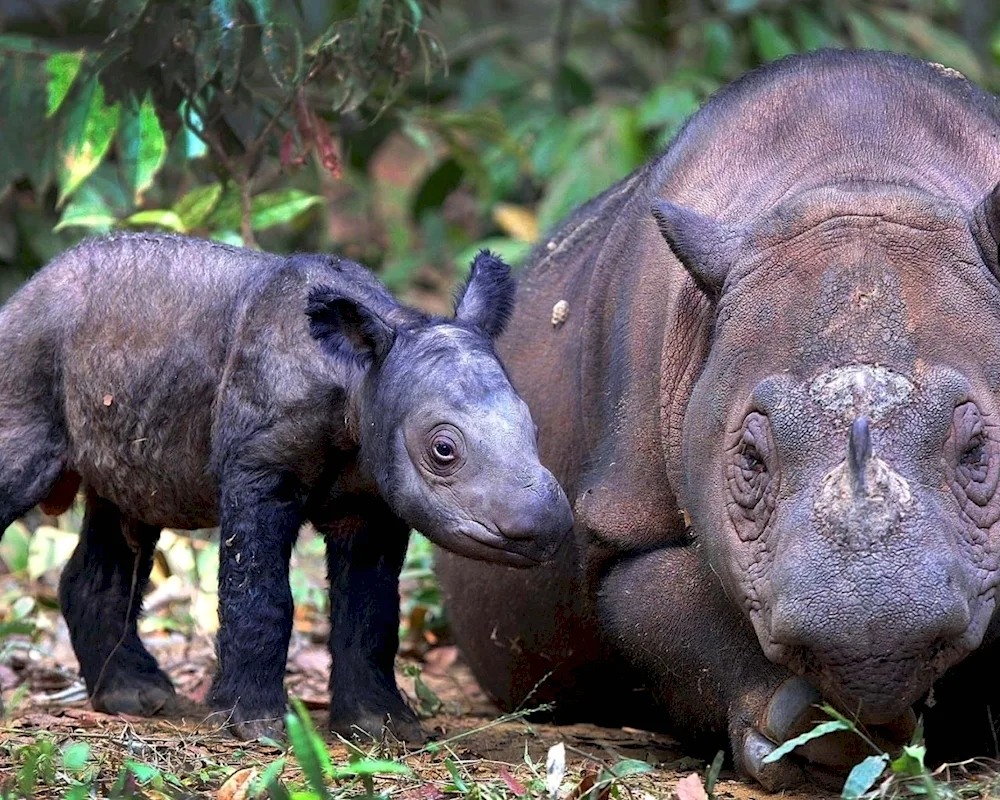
{"x": 32, "y": 458}
{"x": 101, "y": 597}
{"x": 364, "y": 557}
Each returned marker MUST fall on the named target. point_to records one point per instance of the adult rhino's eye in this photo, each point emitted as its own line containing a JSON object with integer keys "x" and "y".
{"x": 972, "y": 468}
{"x": 975, "y": 457}
{"x": 750, "y": 477}
{"x": 751, "y": 461}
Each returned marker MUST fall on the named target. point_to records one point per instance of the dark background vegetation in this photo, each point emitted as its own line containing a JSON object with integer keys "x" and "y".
{"x": 402, "y": 133}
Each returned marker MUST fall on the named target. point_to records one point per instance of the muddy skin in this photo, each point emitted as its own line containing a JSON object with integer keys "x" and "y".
{"x": 801, "y": 501}
{"x": 189, "y": 384}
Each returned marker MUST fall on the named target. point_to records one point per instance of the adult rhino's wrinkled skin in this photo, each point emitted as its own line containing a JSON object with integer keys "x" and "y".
{"x": 773, "y": 403}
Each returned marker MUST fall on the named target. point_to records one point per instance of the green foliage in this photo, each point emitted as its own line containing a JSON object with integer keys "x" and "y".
{"x": 905, "y": 775}
{"x": 177, "y": 95}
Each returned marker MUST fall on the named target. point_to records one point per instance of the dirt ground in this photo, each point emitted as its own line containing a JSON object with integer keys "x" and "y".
{"x": 44, "y": 695}
{"x": 494, "y": 757}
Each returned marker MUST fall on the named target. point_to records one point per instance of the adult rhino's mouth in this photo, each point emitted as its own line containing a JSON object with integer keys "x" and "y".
{"x": 875, "y": 689}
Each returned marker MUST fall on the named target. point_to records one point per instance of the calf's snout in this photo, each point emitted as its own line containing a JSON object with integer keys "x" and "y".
{"x": 540, "y": 516}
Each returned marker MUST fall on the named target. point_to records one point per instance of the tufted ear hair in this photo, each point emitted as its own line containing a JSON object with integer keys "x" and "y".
{"x": 487, "y": 299}
{"x": 985, "y": 226}
{"x": 707, "y": 248}
{"x": 347, "y": 328}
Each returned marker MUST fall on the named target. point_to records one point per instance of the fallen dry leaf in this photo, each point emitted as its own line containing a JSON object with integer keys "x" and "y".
{"x": 555, "y": 768}
{"x": 238, "y": 784}
{"x": 426, "y": 792}
{"x": 512, "y": 783}
{"x": 585, "y": 785}
{"x": 439, "y": 660}
{"x": 690, "y": 788}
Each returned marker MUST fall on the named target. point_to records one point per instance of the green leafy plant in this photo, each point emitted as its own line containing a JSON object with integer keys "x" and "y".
{"x": 907, "y": 774}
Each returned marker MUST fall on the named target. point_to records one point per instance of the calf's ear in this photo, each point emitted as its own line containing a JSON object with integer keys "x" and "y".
{"x": 487, "y": 299}
{"x": 347, "y": 328}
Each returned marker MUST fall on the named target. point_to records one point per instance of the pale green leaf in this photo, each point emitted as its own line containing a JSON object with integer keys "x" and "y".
{"x": 87, "y": 210}
{"x": 307, "y": 748}
{"x": 144, "y": 773}
{"x": 811, "y": 32}
{"x": 195, "y": 206}
{"x": 865, "y": 33}
{"x": 62, "y": 69}
{"x": 824, "y": 728}
{"x": 910, "y": 761}
{"x": 667, "y": 106}
{"x": 76, "y": 756}
{"x": 513, "y": 251}
{"x": 89, "y": 132}
{"x": 863, "y": 776}
{"x": 371, "y": 766}
{"x": 769, "y": 41}
{"x": 630, "y": 766}
{"x": 14, "y": 547}
{"x": 268, "y": 778}
{"x": 280, "y": 207}
{"x": 156, "y": 217}
{"x": 142, "y": 147}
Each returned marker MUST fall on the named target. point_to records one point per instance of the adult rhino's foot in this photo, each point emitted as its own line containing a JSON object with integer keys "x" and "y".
{"x": 138, "y": 694}
{"x": 361, "y": 723}
{"x": 791, "y": 711}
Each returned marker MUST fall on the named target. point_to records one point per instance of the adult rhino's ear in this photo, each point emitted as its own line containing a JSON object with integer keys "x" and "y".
{"x": 705, "y": 247}
{"x": 347, "y": 328}
{"x": 487, "y": 299}
{"x": 985, "y": 227}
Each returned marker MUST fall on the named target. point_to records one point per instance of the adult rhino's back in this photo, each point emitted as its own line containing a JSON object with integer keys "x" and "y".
{"x": 806, "y": 121}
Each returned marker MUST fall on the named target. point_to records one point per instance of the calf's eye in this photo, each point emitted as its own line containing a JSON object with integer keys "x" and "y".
{"x": 444, "y": 451}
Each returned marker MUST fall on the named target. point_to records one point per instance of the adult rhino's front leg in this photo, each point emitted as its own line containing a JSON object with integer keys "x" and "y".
{"x": 669, "y": 616}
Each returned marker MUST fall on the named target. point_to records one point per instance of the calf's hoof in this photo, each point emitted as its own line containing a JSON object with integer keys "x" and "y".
{"x": 401, "y": 723}
{"x": 139, "y": 695}
{"x": 249, "y": 726}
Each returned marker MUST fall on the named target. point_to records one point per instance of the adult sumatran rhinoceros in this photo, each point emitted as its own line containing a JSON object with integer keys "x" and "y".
{"x": 773, "y": 403}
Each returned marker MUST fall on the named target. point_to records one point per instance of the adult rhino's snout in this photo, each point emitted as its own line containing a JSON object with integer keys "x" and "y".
{"x": 871, "y": 597}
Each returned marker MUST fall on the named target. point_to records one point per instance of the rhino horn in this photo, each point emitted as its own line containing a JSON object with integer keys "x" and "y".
{"x": 859, "y": 451}
{"x": 707, "y": 248}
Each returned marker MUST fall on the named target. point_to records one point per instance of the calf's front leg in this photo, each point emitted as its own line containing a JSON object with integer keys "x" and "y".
{"x": 365, "y": 553}
{"x": 260, "y": 516}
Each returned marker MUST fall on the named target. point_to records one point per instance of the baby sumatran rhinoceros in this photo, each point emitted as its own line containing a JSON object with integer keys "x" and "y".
{"x": 191, "y": 384}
